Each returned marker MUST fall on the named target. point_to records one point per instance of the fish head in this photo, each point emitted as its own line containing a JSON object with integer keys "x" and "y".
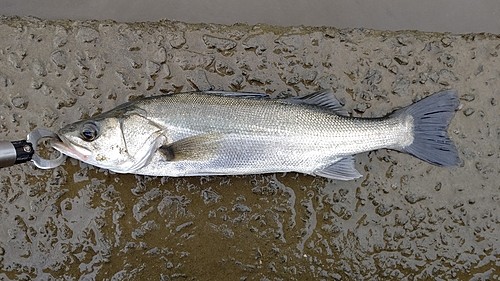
{"x": 96, "y": 141}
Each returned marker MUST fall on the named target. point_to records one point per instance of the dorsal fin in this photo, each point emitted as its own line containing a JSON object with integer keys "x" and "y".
{"x": 248, "y": 95}
{"x": 324, "y": 99}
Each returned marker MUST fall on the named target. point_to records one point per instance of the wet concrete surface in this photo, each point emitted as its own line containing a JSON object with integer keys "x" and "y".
{"x": 404, "y": 220}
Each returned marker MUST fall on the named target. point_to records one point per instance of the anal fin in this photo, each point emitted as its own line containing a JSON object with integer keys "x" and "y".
{"x": 340, "y": 170}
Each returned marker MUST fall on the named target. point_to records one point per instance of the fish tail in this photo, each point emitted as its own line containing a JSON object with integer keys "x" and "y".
{"x": 431, "y": 118}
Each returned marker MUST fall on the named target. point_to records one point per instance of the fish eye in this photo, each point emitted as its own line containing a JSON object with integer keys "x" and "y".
{"x": 89, "y": 131}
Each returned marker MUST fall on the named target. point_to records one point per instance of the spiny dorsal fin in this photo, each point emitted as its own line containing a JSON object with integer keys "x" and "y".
{"x": 195, "y": 148}
{"x": 248, "y": 95}
{"x": 324, "y": 99}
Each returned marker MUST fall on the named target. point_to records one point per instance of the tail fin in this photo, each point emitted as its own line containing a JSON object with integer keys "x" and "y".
{"x": 431, "y": 118}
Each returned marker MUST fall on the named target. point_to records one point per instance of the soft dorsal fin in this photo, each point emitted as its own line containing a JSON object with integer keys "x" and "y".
{"x": 248, "y": 95}
{"x": 324, "y": 99}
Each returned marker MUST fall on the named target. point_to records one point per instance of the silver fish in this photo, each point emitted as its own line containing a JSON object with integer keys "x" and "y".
{"x": 229, "y": 133}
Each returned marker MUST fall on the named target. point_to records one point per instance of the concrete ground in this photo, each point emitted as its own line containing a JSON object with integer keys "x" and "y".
{"x": 403, "y": 220}
{"x": 457, "y": 16}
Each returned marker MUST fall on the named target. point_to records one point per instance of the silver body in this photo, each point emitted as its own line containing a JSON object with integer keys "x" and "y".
{"x": 223, "y": 134}
{"x": 262, "y": 136}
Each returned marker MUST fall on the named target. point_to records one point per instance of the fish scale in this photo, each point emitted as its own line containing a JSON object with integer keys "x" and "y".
{"x": 318, "y": 129}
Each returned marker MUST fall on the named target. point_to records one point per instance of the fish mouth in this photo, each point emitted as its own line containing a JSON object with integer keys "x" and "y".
{"x": 63, "y": 145}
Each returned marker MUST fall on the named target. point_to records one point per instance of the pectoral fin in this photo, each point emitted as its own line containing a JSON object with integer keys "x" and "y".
{"x": 340, "y": 170}
{"x": 195, "y": 148}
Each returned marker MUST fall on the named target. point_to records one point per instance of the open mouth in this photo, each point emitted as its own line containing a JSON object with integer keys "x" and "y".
{"x": 66, "y": 147}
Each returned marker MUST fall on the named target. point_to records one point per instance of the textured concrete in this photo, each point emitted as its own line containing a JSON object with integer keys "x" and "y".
{"x": 404, "y": 220}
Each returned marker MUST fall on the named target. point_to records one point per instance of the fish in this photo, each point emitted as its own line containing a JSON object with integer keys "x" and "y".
{"x": 239, "y": 133}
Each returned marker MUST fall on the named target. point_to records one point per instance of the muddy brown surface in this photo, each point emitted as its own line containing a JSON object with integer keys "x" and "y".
{"x": 404, "y": 220}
